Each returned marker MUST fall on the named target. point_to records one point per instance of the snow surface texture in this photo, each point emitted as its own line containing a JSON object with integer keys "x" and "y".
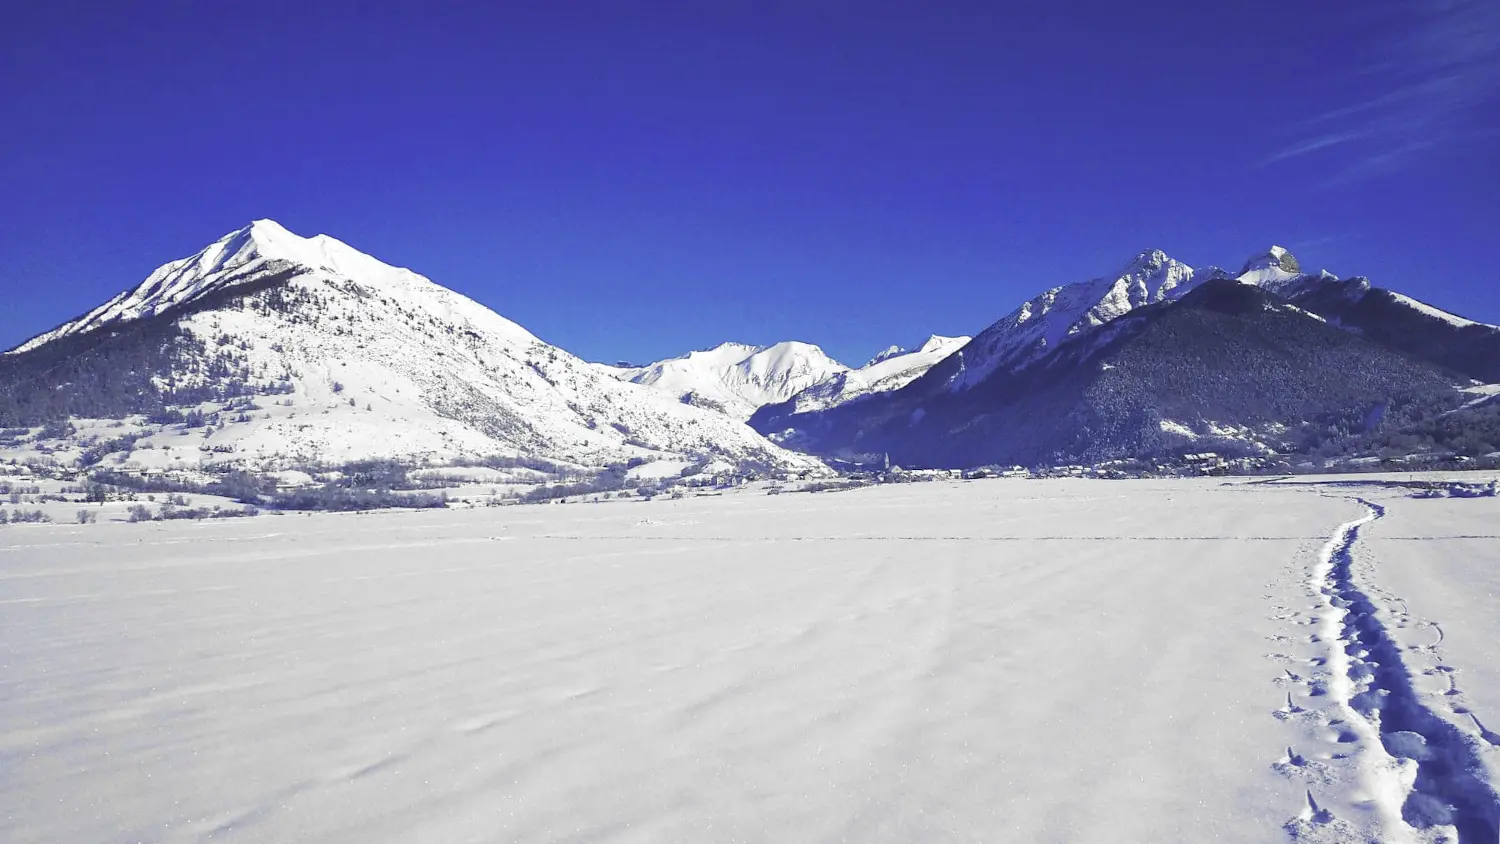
{"x": 1073, "y": 311}
{"x": 741, "y": 379}
{"x": 997, "y": 660}
{"x": 385, "y": 363}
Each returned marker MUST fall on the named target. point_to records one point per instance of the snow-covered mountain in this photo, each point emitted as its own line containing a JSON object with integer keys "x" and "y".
{"x": 1119, "y": 365}
{"x": 735, "y": 378}
{"x": 1073, "y": 311}
{"x": 307, "y": 350}
{"x": 740, "y": 379}
{"x": 1055, "y": 316}
{"x": 890, "y": 370}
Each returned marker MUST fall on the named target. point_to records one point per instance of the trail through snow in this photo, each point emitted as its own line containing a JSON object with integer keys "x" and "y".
{"x": 1414, "y": 775}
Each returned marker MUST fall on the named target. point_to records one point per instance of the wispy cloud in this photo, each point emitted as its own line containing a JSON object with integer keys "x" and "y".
{"x": 1316, "y": 143}
{"x": 1427, "y": 87}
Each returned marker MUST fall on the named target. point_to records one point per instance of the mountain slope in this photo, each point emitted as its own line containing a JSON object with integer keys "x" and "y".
{"x": 342, "y": 357}
{"x": 1153, "y": 359}
{"x": 1062, "y": 313}
{"x": 1401, "y": 322}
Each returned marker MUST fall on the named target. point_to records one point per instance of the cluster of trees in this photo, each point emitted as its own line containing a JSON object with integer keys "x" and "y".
{"x": 333, "y": 497}
{"x": 359, "y": 485}
{"x": 1472, "y": 350}
{"x": 113, "y": 373}
{"x": 1472, "y": 431}
{"x": 382, "y": 475}
{"x": 171, "y": 512}
{"x": 537, "y": 464}
{"x": 610, "y": 479}
{"x": 95, "y": 453}
{"x": 244, "y": 487}
{"x": 833, "y": 486}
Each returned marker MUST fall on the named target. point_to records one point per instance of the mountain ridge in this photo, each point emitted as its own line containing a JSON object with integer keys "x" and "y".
{"x": 1033, "y": 353}
{"x": 740, "y": 379}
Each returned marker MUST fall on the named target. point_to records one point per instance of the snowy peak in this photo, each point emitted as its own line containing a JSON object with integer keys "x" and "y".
{"x": 667, "y": 372}
{"x": 739, "y": 380}
{"x": 789, "y": 362}
{"x": 268, "y": 240}
{"x": 939, "y": 343}
{"x": 1279, "y": 272}
{"x": 1063, "y": 313}
{"x": 272, "y": 241}
{"x": 1276, "y": 257}
{"x": 888, "y": 371}
{"x": 1067, "y": 313}
{"x": 1063, "y": 373}
{"x": 236, "y": 257}
{"x": 724, "y": 352}
{"x": 1148, "y": 278}
{"x": 933, "y": 343}
{"x": 1146, "y": 263}
{"x": 736, "y": 378}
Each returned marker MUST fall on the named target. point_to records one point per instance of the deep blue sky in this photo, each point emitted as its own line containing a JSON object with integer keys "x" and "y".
{"x": 633, "y": 180}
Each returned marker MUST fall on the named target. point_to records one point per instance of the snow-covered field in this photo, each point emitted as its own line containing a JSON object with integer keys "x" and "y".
{"x": 1134, "y": 661}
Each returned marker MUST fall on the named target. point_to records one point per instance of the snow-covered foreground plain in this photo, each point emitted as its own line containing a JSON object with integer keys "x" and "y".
{"x": 990, "y": 661}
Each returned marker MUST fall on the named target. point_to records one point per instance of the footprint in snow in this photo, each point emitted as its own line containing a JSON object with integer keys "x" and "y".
{"x": 1316, "y": 824}
{"x": 1289, "y": 710}
{"x": 1295, "y": 766}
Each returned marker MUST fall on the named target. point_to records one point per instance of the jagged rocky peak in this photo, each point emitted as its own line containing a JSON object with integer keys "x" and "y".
{"x": 1146, "y": 262}
{"x": 1276, "y": 257}
{"x": 1151, "y": 276}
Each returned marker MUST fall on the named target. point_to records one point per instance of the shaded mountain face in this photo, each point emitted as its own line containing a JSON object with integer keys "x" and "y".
{"x": 1160, "y": 358}
{"x": 1462, "y": 345}
{"x": 307, "y": 350}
